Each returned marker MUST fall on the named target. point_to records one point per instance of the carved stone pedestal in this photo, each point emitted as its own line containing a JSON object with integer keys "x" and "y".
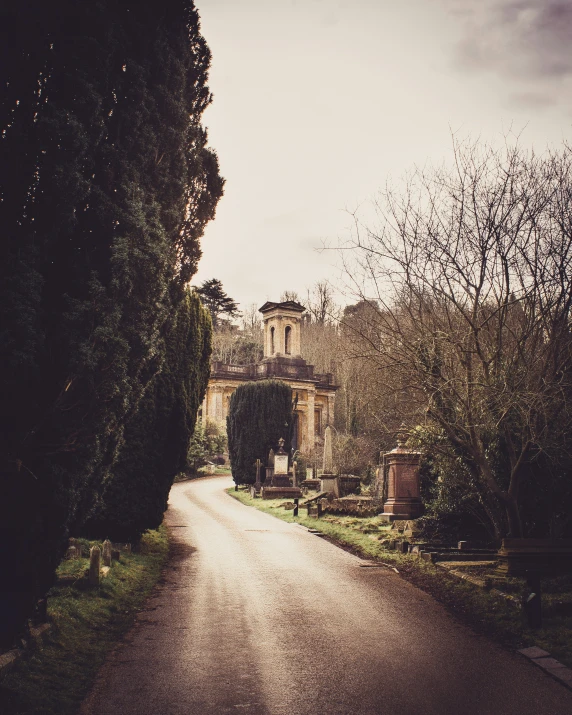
{"x": 403, "y": 494}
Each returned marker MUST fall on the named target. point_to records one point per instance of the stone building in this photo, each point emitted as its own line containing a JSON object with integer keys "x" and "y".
{"x": 281, "y": 361}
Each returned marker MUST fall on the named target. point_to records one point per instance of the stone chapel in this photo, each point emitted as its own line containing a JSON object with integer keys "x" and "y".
{"x": 281, "y": 361}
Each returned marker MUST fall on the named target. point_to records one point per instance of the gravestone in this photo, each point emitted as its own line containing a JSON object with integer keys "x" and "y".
{"x": 74, "y": 549}
{"x": 106, "y": 554}
{"x": 281, "y": 478}
{"x": 294, "y": 474}
{"x": 403, "y": 488}
{"x": 94, "y": 563}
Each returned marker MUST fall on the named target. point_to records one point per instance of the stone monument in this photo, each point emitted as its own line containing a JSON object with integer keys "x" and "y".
{"x": 279, "y": 485}
{"x": 281, "y": 478}
{"x": 269, "y": 468}
{"x": 328, "y": 480}
{"x": 403, "y": 492}
{"x": 106, "y": 553}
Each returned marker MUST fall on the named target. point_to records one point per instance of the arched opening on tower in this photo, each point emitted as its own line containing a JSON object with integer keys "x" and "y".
{"x": 288, "y": 340}
{"x": 272, "y": 341}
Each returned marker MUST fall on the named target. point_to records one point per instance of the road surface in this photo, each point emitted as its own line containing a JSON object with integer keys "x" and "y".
{"x": 258, "y": 616}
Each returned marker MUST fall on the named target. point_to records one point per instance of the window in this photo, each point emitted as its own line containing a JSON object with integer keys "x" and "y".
{"x": 288, "y": 340}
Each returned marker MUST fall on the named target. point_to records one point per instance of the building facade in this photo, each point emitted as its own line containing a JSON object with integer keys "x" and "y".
{"x": 282, "y": 361}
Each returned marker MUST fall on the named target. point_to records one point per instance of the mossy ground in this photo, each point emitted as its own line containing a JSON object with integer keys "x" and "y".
{"x": 87, "y": 622}
{"x": 484, "y": 611}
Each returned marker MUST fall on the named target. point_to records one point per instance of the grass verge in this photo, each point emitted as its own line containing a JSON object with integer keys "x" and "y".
{"x": 87, "y": 622}
{"x": 482, "y": 610}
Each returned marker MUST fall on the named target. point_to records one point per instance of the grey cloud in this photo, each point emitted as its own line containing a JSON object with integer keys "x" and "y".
{"x": 520, "y": 38}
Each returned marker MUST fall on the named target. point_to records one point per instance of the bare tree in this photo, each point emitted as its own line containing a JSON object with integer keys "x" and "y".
{"x": 321, "y": 304}
{"x": 470, "y": 269}
{"x": 289, "y": 295}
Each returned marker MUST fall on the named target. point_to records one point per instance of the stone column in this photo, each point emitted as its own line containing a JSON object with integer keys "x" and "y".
{"x": 403, "y": 492}
{"x": 310, "y": 426}
{"x": 279, "y": 335}
{"x": 296, "y": 349}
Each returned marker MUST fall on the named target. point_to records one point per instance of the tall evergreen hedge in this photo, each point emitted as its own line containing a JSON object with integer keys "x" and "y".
{"x": 260, "y": 413}
{"x": 106, "y": 185}
{"x": 157, "y": 436}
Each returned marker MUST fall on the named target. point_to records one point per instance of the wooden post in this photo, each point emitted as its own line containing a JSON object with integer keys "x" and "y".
{"x": 296, "y": 502}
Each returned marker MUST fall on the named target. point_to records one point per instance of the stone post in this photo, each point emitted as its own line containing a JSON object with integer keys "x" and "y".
{"x": 310, "y": 436}
{"x": 328, "y": 463}
{"x": 94, "y": 560}
{"x": 258, "y": 483}
{"x": 106, "y": 556}
{"x": 403, "y": 491}
{"x": 294, "y": 475}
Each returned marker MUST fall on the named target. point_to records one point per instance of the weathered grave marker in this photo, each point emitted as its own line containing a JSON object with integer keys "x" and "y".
{"x": 106, "y": 556}
{"x": 94, "y": 564}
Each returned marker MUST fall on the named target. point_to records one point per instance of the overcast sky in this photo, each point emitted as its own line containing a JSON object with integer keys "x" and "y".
{"x": 317, "y": 103}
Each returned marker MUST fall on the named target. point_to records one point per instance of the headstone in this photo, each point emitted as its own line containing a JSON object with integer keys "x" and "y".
{"x": 74, "y": 549}
{"x": 106, "y": 554}
{"x": 294, "y": 474}
{"x": 94, "y": 563}
{"x": 270, "y": 459}
{"x": 281, "y": 464}
{"x": 309, "y": 473}
{"x": 281, "y": 459}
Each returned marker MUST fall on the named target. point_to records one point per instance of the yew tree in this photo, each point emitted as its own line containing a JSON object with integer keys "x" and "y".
{"x": 106, "y": 184}
{"x": 260, "y": 413}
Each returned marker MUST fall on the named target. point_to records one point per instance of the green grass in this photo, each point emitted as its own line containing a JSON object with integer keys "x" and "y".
{"x": 483, "y": 611}
{"x": 87, "y": 622}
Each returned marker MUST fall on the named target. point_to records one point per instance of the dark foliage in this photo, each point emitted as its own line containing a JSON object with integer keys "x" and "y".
{"x": 105, "y": 187}
{"x": 260, "y": 413}
{"x": 216, "y": 300}
{"x": 157, "y": 436}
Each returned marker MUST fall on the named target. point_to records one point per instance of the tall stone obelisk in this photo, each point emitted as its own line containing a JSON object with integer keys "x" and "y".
{"x": 329, "y": 481}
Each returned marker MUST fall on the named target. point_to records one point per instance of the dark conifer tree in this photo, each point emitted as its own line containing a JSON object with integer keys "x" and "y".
{"x": 216, "y": 300}
{"x": 158, "y": 434}
{"x": 260, "y": 413}
{"x": 106, "y": 185}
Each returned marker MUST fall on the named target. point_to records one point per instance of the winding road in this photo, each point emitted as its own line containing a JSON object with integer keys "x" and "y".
{"x": 258, "y": 616}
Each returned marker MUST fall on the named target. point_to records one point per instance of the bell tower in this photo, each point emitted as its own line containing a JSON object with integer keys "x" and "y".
{"x": 282, "y": 329}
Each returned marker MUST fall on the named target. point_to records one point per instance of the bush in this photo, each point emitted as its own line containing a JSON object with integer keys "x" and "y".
{"x": 260, "y": 413}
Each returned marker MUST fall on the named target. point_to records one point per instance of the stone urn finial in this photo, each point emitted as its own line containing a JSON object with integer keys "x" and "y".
{"x": 402, "y": 436}
{"x": 281, "y": 445}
